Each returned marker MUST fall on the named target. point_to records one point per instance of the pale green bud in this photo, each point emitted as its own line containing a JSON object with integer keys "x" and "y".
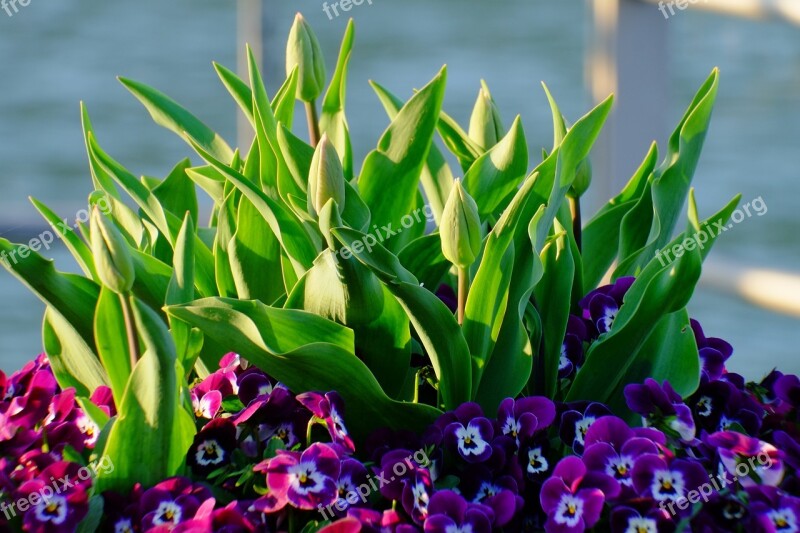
{"x": 112, "y": 259}
{"x": 485, "y": 125}
{"x": 326, "y": 178}
{"x": 460, "y": 228}
{"x": 303, "y": 51}
{"x": 583, "y": 179}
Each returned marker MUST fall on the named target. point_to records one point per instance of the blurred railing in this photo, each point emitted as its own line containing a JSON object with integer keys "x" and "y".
{"x": 629, "y": 56}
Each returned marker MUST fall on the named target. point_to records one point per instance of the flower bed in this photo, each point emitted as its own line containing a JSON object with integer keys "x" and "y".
{"x": 320, "y": 357}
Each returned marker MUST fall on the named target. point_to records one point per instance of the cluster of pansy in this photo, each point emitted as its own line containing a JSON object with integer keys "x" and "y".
{"x": 43, "y": 433}
{"x": 265, "y": 459}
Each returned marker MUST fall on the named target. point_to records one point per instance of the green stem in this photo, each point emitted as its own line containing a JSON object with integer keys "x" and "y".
{"x": 313, "y": 123}
{"x": 463, "y": 290}
{"x": 130, "y": 330}
{"x": 575, "y": 210}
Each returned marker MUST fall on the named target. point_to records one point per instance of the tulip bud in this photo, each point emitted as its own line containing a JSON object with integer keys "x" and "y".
{"x": 303, "y": 51}
{"x": 326, "y": 178}
{"x": 112, "y": 259}
{"x": 485, "y": 125}
{"x": 583, "y": 179}
{"x": 460, "y": 228}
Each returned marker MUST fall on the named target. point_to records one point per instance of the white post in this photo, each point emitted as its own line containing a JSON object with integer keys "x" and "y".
{"x": 628, "y": 57}
{"x": 249, "y": 30}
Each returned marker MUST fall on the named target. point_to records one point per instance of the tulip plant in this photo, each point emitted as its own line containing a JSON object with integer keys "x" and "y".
{"x": 209, "y": 356}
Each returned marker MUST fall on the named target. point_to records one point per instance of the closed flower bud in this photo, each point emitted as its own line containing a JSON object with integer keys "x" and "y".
{"x": 583, "y": 179}
{"x": 460, "y": 228}
{"x": 303, "y": 51}
{"x": 112, "y": 259}
{"x": 326, "y": 178}
{"x": 485, "y": 125}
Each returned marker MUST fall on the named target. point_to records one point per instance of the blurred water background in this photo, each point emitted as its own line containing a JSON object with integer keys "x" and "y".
{"x": 52, "y": 55}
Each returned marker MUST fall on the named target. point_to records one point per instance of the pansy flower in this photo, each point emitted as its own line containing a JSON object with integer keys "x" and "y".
{"x": 351, "y": 475}
{"x": 103, "y": 398}
{"x": 448, "y": 512}
{"x": 600, "y": 307}
{"x": 653, "y": 477}
{"x": 573, "y": 497}
{"x": 330, "y": 409}
{"x": 90, "y": 430}
{"x": 121, "y": 512}
{"x": 519, "y": 419}
{"x": 662, "y": 408}
{"x": 396, "y": 468}
{"x": 500, "y": 493}
{"x": 417, "y": 492}
{"x": 30, "y": 406}
{"x": 572, "y": 355}
{"x": 790, "y": 448}
{"x": 472, "y": 441}
{"x": 576, "y": 421}
{"x": 626, "y": 519}
{"x": 371, "y": 521}
{"x": 722, "y": 512}
{"x": 713, "y": 352}
{"x": 56, "y": 506}
{"x": 206, "y": 406}
{"x": 304, "y": 481}
{"x": 747, "y": 459}
{"x": 772, "y": 511}
{"x": 787, "y": 388}
{"x": 171, "y": 502}
{"x": 534, "y": 457}
{"x": 212, "y": 446}
{"x": 612, "y": 448}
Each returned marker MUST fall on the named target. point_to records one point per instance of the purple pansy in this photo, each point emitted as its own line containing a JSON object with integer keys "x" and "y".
{"x": 417, "y": 492}
{"x": 472, "y": 440}
{"x": 662, "y": 407}
{"x": 534, "y": 458}
{"x": 612, "y": 448}
{"x": 304, "y": 481}
{"x": 464, "y": 431}
{"x": 653, "y": 477}
{"x": 787, "y": 388}
{"x": 572, "y": 355}
{"x": 212, "y": 446}
{"x": 448, "y": 512}
{"x": 713, "y": 352}
{"x": 573, "y": 497}
{"x": 330, "y": 409}
{"x": 351, "y": 475}
{"x": 396, "y": 467}
{"x": 722, "y": 512}
{"x": 171, "y": 502}
{"x": 59, "y": 509}
{"x": 748, "y": 459}
{"x": 208, "y": 405}
{"x": 772, "y": 511}
{"x": 626, "y": 519}
{"x": 500, "y": 493}
{"x": 520, "y": 419}
{"x": 576, "y": 421}
{"x": 600, "y": 307}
